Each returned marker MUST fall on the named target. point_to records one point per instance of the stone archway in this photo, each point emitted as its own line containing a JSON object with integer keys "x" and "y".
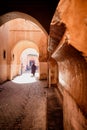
{"x": 15, "y": 56}
{"x": 17, "y": 27}
{"x": 14, "y": 15}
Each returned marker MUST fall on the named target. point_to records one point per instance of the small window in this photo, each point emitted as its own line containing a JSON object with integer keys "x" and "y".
{"x": 4, "y": 54}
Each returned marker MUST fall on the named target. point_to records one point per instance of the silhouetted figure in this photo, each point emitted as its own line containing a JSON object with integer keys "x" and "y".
{"x": 33, "y": 69}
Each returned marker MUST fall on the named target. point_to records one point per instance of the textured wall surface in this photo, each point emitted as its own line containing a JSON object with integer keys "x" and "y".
{"x": 67, "y": 45}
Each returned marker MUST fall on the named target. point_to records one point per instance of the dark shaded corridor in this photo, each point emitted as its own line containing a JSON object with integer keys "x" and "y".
{"x": 54, "y": 111}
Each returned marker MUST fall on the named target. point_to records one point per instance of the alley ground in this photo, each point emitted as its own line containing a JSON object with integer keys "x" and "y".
{"x": 28, "y": 104}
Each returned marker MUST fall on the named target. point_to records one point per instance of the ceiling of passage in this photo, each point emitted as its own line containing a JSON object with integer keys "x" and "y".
{"x": 42, "y": 10}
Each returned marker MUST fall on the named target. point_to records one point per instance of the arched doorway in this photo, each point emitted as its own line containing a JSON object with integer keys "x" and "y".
{"x": 17, "y": 27}
{"x": 22, "y": 54}
{"x": 28, "y": 57}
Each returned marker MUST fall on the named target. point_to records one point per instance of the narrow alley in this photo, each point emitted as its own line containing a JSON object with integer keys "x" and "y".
{"x": 43, "y": 65}
{"x": 29, "y": 105}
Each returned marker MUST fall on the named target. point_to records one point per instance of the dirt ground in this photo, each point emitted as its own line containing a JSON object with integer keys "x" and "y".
{"x": 28, "y": 104}
{"x": 23, "y": 106}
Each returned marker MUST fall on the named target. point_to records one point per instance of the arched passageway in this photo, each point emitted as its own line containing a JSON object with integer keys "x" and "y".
{"x": 67, "y": 57}
{"x": 28, "y": 57}
{"x": 28, "y": 34}
{"x": 22, "y": 57}
{"x": 18, "y": 32}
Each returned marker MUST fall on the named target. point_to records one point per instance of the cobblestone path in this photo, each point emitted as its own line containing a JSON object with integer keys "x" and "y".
{"x": 23, "y": 106}
{"x": 29, "y": 106}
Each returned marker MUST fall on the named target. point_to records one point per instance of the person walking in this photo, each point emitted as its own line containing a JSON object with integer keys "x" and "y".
{"x": 33, "y": 69}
